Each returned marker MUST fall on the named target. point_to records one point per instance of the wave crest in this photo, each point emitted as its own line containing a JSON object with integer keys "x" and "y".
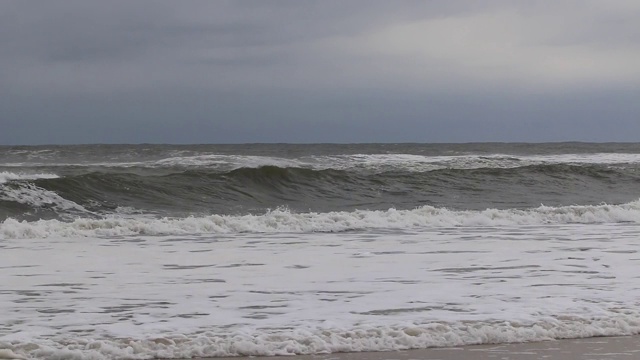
{"x": 285, "y": 221}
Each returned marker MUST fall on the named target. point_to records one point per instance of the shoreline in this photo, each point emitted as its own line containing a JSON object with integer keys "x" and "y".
{"x": 594, "y": 348}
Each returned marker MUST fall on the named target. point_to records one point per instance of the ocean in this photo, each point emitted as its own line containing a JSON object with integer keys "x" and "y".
{"x": 180, "y": 251}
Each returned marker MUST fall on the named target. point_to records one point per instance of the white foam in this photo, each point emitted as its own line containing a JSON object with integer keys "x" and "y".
{"x": 38, "y": 197}
{"x": 10, "y": 176}
{"x": 398, "y": 162}
{"x": 35, "y": 196}
{"x": 322, "y": 341}
{"x": 272, "y": 294}
{"x": 231, "y": 161}
{"x": 225, "y": 162}
{"x": 421, "y": 163}
{"x": 592, "y": 158}
{"x": 285, "y": 221}
{"x": 372, "y": 162}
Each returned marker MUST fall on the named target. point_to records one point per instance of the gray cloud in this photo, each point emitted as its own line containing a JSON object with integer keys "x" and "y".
{"x": 318, "y": 71}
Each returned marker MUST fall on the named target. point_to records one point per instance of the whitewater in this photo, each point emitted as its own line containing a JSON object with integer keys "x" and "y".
{"x": 149, "y": 252}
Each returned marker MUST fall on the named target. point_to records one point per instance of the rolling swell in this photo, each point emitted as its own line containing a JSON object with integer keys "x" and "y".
{"x": 254, "y": 190}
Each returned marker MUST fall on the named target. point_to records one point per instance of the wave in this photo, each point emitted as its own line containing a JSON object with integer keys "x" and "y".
{"x": 285, "y": 221}
{"x": 6, "y": 176}
{"x": 374, "y": 162}
{"x": 19, "y": 195}
{"x": 182, "y": 193}
{"x": 307, "y": 341}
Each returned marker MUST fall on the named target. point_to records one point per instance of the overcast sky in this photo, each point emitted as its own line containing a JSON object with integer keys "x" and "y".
{"x": 319, "y": 71}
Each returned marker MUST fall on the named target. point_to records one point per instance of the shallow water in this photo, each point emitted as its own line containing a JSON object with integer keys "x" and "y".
{"x": 307, "y": 293}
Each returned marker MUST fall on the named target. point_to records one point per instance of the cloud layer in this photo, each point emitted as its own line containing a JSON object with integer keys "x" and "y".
{"x": 318, "y": 71}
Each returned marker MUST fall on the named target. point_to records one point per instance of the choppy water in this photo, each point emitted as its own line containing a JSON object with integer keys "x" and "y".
{"x": 178, "y": 251}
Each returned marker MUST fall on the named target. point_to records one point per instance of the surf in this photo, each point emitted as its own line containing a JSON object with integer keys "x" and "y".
{"x": 283, "y": 220}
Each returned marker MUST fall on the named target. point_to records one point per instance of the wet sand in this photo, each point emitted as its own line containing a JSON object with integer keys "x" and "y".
{"x": 600, "y": 348}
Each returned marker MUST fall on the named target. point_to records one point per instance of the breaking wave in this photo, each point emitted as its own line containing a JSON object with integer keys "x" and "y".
{"x": 322, "y": 341}
{"x": 286, "y": 221}
{"x": 198, "y": 191}
{"x": 6, "y": 176}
